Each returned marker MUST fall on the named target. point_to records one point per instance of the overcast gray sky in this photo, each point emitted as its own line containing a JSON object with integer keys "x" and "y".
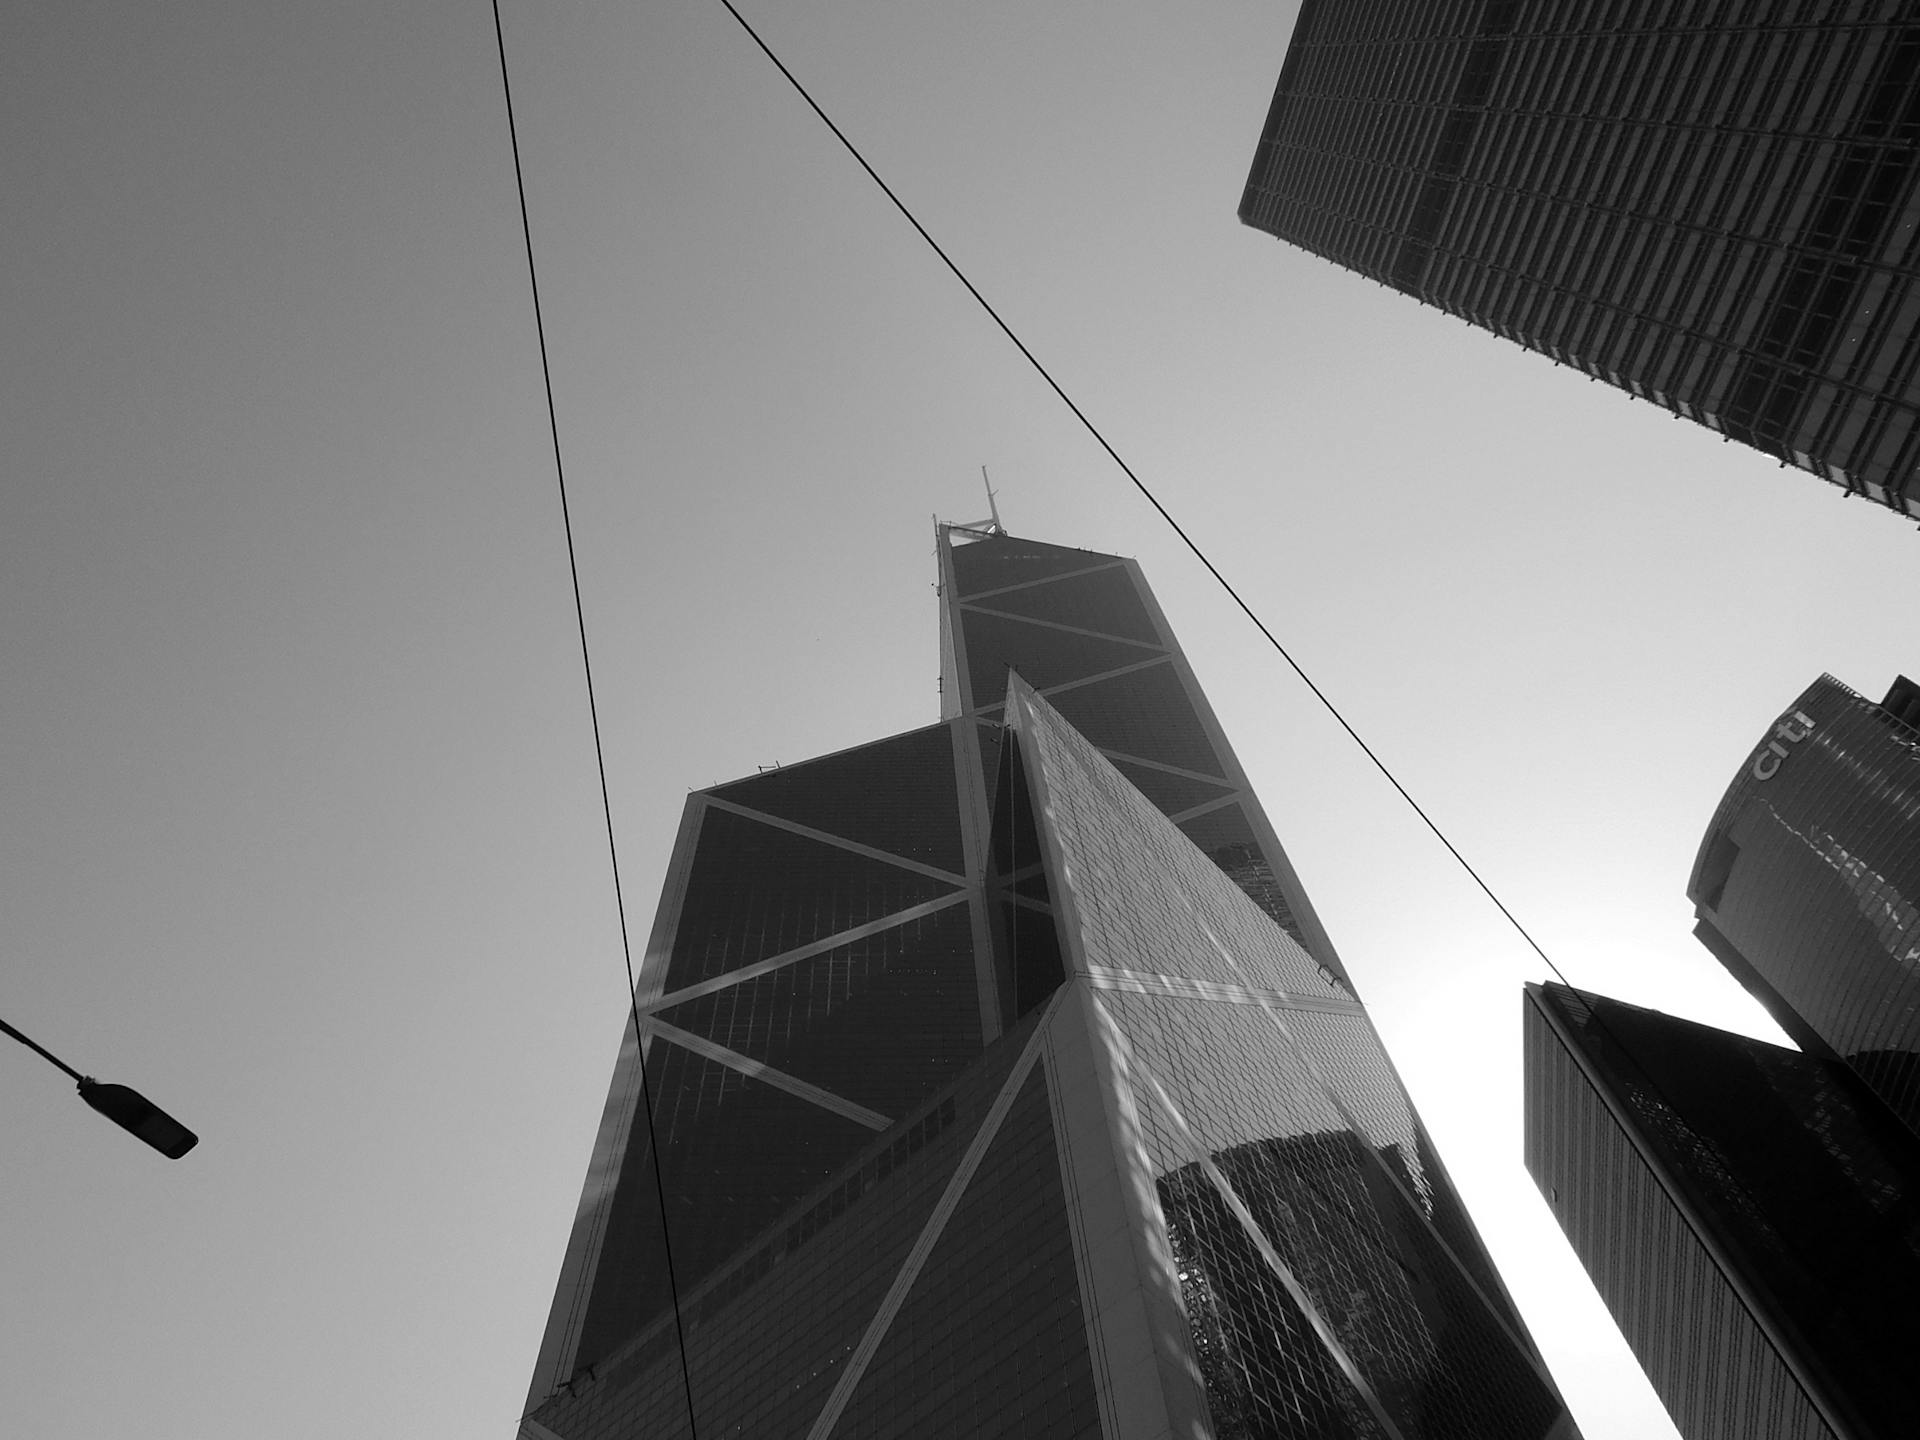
{"x": 302, "y": 832}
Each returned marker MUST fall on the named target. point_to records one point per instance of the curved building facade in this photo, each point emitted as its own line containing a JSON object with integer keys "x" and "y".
{"x": 1807, "y": 885}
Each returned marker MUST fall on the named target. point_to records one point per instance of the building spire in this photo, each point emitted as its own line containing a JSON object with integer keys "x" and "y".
{"x": 977, "y": 529}
{"x": 993, "y": 510}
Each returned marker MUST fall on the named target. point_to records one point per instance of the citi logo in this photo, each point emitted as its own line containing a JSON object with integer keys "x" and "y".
{"x": 1790, "y": 731}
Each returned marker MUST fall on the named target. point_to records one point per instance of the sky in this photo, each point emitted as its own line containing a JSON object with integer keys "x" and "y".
{"x": 302, "y": 825}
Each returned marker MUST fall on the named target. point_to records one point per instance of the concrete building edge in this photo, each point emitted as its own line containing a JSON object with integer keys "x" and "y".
{"x": 1144, "y": 1347}
{"x": 560, "y": 1342}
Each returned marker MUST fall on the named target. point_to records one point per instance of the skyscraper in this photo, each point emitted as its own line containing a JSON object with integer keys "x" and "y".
{"x": 1750, "y": 1215}
{"x": 1004, "y": 1083}
{"x": 1807, "y": 884}
{"x": 1713, "y": 205}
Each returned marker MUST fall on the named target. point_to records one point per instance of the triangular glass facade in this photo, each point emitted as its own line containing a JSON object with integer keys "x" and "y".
{"x": 996, "y": 1097}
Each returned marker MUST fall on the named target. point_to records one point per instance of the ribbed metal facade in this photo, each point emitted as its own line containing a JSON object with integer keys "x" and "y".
{"x": 1750, "y": 1215}
{"x": 1712, "y": 204}
{"x": 1807, "y": 884}
{"x": 1000, "y": 1089}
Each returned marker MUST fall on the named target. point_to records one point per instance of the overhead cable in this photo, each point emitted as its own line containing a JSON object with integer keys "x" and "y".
{"x": 1138, "y": 483}
{"x": 593, "y": 714}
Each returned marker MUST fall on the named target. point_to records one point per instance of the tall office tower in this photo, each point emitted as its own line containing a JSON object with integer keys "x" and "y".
{"x": 1750, "y": 1215}
{"x": 1712, "y": 204}
{"x": 1003, "y": 1084}
{"x": 1807, "y": 883}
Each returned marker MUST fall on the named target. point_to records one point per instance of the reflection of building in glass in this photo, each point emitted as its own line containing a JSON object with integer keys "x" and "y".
{"x": 1004, "y": 1084}
{"x": 1751, "y": 1216}
{"x": 1716, "y": 213}
{"x": 1807, "y": 883}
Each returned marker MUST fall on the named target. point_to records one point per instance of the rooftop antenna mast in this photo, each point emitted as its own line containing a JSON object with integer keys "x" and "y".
{"x": 993, "y": 524}
{"x": 973, "y": 530}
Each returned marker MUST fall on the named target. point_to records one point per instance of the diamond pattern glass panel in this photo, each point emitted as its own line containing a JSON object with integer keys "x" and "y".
{"x": 1146, "y": 898}
{"x": 1145, "y": 713}
{"x": 835, "y": 794}
{"x": 1337, "y": 1214}
{"x": 757, "y": 890}
{"x": 1228, "y": 841}
{"x": 1297, "y": 1188}
{"x": 1042, "y": 656}
{"x": 1267, "y": 1374}
{"x": 1104, "y": 601}
{"x": 1008, "y": 560}
{"x": 1172, "y": 793}
{"x": 992, "y": 1339}
{"x": 769, "y": 1332}
{"x": 882, "y": 1022}
{"x": 734, "y": 1153}
{"x": 1301, "y": 1202}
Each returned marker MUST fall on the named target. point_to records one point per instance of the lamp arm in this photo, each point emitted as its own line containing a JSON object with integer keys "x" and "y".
{"x": 34, "y": 1045}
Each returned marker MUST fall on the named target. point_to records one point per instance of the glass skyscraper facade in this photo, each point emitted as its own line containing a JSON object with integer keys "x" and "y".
{"x": 1751, "y": 1216}
{"x": 1807, "y": 884}
{"x": 1004, "y": 1084}
{"x": 1712, "y": 204}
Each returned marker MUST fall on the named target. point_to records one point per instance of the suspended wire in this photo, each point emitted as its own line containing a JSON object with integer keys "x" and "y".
{"x": 593, "y": 713}
{"x": 1141, "y": 486}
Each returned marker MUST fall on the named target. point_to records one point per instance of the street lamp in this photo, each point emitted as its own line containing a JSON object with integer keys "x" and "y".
{"x": 126, "y": 1107}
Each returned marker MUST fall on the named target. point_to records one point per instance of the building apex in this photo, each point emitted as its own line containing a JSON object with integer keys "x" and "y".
{"x": 979, "y": 529}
